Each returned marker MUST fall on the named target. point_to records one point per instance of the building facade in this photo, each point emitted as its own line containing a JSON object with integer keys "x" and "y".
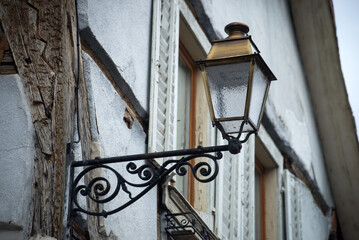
{"x": 86, "y": 79}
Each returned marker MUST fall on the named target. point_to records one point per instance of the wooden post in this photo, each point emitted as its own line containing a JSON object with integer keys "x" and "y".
{"x": 42, "y": 38}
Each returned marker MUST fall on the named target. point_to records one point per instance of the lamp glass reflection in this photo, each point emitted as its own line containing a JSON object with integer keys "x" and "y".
{"x": 228, "y": 89}
{"x": 260, "y": 83}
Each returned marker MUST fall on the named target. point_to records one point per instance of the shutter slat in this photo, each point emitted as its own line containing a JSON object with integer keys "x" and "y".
{"x": 163, "y": 76}
{"x": 165, "y": 36}
{"x": 292, "y": 207}
{"x": 163, "y": 64}
{"x": 162, "y": 95}
{"x": 166, "y": 4}
{"x": 235, "y": 215}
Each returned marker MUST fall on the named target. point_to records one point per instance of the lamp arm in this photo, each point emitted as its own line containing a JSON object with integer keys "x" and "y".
{"x": 154, "y": 155}
{"x": 98, "y": 189}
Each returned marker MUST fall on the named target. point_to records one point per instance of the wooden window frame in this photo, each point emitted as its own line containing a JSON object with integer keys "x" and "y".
{"x": 261, "y": 170}
{"x": 184, "y": 54}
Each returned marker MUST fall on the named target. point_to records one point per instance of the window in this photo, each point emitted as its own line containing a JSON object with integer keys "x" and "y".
{"x": 179, "y": 116}
{"x": 267, "y": 185}
{"x": 259, "y": 206}
{"x": 186, "y": 112}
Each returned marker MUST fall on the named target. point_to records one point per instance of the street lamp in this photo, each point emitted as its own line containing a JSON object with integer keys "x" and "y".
{"x": 237, "y": 81}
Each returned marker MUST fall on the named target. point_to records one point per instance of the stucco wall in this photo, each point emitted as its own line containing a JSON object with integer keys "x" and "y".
{"x": 116, "y": 139}
{"x": 124, "y": 30}
{"x": 16, "y": 158}
{"x": 314, "y": 224}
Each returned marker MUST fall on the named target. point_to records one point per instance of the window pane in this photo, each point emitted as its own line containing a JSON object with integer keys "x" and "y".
{"x": 183, "y": 117}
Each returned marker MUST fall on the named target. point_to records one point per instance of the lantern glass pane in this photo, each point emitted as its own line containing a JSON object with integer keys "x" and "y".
{"x": 228, "y": 88}
{"x": 259, "y": 86}
{"x": 232, "y": 127}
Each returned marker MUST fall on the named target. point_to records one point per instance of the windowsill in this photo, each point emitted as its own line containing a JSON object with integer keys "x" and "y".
{"x": 183, "y": 222}
{"x": 184, "y": 235}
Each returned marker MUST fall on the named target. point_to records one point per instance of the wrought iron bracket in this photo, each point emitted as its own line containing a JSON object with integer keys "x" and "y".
{"x": 95, "y": 189}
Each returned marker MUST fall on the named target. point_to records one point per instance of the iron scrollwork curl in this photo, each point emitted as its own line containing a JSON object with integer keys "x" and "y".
{"x": 202, "y": 168}
{"x": 146, "y": 172}
{"x": 100, "y": 190}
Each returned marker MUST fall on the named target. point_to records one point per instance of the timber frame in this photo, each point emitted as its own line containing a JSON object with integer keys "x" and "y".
{"x": 42, "y": 41}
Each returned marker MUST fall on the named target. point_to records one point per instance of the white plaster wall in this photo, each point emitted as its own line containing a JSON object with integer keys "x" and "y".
{"x": 124, "y": 30}
{"x": 138, "y": 221}
{"x": 289, "y": 105}
{"x": 315, "y": 226}
{"x": 17, "y": 149}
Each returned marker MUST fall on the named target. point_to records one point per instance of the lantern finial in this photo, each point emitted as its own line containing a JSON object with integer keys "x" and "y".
{"x": 236, "y": 29}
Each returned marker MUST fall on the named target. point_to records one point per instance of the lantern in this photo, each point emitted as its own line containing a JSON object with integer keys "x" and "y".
{"x": 236, "y": 81}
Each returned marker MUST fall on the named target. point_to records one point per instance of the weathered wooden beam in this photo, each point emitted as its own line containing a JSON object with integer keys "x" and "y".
{"x": 40, "y": 36}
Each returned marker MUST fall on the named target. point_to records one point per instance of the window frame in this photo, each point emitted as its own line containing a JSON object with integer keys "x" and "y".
{"x": 186, "y": 57}
{"x": 271, "y": 159}
{"x": 261, "y": 170}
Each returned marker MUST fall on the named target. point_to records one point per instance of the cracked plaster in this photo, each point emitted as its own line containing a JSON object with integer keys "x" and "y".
{"x": 17, "y": 149}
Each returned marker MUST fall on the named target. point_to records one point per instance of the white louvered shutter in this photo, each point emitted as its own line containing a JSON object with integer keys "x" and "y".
{"x": 235, "y": 194}
{"x": 230, "y": 187}
{"x": 292, "y": 207}
{"x": 164, "y": 68}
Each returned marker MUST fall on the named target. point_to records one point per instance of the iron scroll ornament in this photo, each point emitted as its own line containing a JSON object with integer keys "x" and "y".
{"x": 99, "y": 190}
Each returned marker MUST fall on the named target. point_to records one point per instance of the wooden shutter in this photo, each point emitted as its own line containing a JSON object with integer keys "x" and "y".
{"x": 230, "y": 187}
{"x": 164, "y": 68}
{"x": 292, "y": 207}
{"x": 235, "y": 194}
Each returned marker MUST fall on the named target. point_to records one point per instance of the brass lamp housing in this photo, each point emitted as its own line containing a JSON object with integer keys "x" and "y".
{"x": 236, "y": 74}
